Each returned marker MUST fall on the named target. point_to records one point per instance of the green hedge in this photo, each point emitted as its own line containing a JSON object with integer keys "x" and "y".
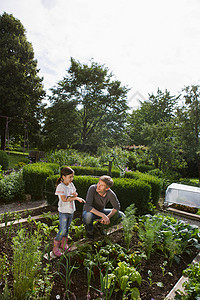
{"x": 155, "y": 182}
{"x": 4, "y": 160}
{"x": 94, "y": 171}
{"x": 34, "y": 176}
{"x": 128, "y": 191}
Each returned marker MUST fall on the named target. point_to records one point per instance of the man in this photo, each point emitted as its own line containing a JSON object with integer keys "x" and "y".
{"x": 98, "y": 196}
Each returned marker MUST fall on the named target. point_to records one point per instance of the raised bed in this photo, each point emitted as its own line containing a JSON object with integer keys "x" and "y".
{"x": 79, "y": 278}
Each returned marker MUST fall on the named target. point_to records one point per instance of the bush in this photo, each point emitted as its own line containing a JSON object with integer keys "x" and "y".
{"x": 155, "y": 182}
{"x": 94, "y": 171}
{"x": 34, "y": 176}
{"x": 144, "y": 168}
{"x": 4, "y": 160}
{"x": 12, "y": 187}
{"x": 128, "y": 191}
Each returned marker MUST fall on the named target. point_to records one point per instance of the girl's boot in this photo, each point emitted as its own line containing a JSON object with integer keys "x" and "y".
{"x": 56, "y": 249}
{"x": 64, "y": 244}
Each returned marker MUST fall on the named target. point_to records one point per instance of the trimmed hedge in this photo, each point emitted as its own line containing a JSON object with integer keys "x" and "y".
{"x": 155, "y": 182}
{"x": 4, "y": 160}
{"x": 128, "y": 191}
{"x": 94, "y": 171}
{"x": 34, "y": 176}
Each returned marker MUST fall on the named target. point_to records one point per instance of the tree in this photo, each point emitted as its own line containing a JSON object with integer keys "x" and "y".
{"x": 153, "y": 125}
{"x": 188, "y": 119}
{"x": 61, "y": 127}
{"x": 100, "y": 102}
{"x": 21, "y": 90}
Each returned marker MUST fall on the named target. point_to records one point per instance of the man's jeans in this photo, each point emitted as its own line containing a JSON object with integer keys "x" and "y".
{"x": 88, "y": 218}
{"x": 65, "y": 220}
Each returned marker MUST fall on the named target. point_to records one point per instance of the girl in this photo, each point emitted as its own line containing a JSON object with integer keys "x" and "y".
{"x": 67, "y": 195}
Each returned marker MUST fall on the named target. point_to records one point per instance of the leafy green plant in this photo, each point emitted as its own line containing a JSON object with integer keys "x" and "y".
{"x": 125, "y": 275}
{"x": 164, "y": 272}
{"x": 26, "y": 263}
{"x": 150, "y": 281}
{"x": 78, "y": 230}
{"x": 192, "y": 285}
{"x": 43, "y": 285}
{"x": 5, "y": 267}
{"x": 1, "y": 176}
{"x": 12, "y": 187}
{"x": 171, "y": 247}
{"x": 129, "y": 223}
{"x": 68, "y": 271}
{"x": 107, "y": 284}
{"x": 148, "y": 234}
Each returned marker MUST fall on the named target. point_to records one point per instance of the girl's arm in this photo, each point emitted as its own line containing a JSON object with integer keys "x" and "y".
{"x": 71, "y": 198}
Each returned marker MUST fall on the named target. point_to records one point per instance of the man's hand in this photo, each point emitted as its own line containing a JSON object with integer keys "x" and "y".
{"x": 105, "y": 220}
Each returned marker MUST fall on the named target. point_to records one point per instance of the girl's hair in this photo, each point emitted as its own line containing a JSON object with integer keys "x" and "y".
{"x": 64, "y": 171}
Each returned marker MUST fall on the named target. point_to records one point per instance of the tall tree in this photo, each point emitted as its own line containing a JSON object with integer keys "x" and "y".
{"x": 188, "y": 131}
{"x": 160, "y": 108}
{"x": 61, "y": 128}
{"x": 100, "y": 102}
{"x": 153, "y": 125}
{"x": 21, "y": 90}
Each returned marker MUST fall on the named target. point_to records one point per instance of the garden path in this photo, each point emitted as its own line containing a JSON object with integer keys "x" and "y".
{"x": 17, "y": 206}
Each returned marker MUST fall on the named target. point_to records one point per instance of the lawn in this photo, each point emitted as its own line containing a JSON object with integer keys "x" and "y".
{"x": 15, "y": 158}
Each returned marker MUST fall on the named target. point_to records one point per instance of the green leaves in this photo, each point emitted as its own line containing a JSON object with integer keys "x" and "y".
{"x": 99, "y": 102}
{"x": 21, "y": 90}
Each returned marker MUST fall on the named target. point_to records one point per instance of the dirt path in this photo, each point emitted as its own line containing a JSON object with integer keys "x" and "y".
{"x": 17, "y": 206}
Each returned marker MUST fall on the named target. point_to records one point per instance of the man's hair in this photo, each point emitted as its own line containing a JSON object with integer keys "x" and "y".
{"x": 107, "y": 180}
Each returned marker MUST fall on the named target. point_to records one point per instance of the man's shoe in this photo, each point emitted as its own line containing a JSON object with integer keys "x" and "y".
{"x": 90, "y": 236}
{"x": 100, "y": 228}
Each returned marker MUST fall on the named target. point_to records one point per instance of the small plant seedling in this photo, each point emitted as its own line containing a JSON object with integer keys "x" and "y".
{"x": 164, "y": 272}
{"x": 150, "y": 281}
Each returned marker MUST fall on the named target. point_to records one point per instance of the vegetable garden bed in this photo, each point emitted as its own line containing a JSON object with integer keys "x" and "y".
{"x": 150, "y": 266}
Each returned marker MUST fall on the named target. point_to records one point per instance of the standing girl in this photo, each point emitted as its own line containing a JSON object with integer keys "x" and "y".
{"x": 67, "y": 195}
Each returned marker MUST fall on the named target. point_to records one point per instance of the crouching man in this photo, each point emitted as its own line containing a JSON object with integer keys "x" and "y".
{"x": 98, "y": 196}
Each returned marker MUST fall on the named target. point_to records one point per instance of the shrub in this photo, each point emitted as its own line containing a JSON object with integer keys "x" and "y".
{"x": 128, "y": 191}
{"x": 94, "y": 171}
{"x": 131, "y": 191}
{"x": 12, "y": 187}
{"x": 155, "y": 182}
{"x": 1, "y": 176}
{"x": 34, "y": 176}
{"x": 4, "y": 160}
{"x": 144, "y": 168}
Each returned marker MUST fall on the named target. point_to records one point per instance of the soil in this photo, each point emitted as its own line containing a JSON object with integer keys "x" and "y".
{"x": 78, "y": 287}
{"x": 192, "y": 210}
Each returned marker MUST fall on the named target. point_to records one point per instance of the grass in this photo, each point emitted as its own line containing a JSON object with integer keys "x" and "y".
{"x": 15, "y": 157}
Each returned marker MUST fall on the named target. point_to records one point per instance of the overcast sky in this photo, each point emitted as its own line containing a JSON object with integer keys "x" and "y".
{"x": 146, "y": 44}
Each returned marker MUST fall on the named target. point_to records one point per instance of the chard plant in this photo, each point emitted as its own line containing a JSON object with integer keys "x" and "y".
{"x": 79, "y": 230}
{"x": 125, "y": 275}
